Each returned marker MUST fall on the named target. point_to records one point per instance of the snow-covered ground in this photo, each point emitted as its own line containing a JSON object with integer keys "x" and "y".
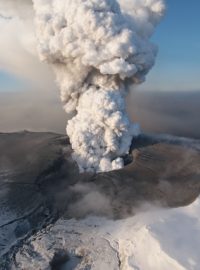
{"x": 155, "y": 240}
{"x": 163, "y": 239}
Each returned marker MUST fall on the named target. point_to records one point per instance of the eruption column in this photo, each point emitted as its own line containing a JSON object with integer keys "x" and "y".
{"x": 98, "y": 49}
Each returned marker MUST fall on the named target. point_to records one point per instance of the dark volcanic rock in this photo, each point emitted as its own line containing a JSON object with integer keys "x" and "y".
{"x": 40, "y": 182}
{"x": 165, "y": 172}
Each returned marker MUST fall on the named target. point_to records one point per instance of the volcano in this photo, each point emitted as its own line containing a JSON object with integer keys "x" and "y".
{"x": 41, "y": 187}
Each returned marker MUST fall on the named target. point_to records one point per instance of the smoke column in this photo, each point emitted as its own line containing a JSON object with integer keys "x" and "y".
{"x": 98, "y": 49}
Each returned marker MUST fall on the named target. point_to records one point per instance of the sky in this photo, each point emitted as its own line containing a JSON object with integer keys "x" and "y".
{"x": 178, "y": 38}
{"x": 29, "y": 97}
{"x": 10, "y": 82}
{"x": 178, "y": 62}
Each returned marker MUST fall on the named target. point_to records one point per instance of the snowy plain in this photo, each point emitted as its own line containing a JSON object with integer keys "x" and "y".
{"x": 159, "y": 239}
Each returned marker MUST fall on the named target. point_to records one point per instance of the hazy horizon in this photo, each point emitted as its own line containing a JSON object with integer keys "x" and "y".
{"x": 173, "y": 112}
{"x": 29, "y": 98}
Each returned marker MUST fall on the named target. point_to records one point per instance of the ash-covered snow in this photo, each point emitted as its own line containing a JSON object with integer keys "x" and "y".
{"x": 156, "y": 240}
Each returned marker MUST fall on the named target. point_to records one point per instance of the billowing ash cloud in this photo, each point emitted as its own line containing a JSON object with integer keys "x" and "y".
{"x": 98, "y": 49}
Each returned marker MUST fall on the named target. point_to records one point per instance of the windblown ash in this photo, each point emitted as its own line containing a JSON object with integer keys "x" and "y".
{"x": 98, "y": 49}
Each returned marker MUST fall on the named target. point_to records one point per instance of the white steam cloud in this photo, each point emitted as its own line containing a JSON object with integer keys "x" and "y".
{"x": 97, "y": 50}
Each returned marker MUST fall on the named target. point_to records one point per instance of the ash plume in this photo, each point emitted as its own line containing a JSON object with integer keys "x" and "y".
{"x": 98, "y": 49}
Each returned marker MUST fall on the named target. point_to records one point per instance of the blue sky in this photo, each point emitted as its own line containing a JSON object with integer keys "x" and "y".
{"x": 178, "y": 62}
{"x": 8, "y": 82}
{"x": 178, "y": 38}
